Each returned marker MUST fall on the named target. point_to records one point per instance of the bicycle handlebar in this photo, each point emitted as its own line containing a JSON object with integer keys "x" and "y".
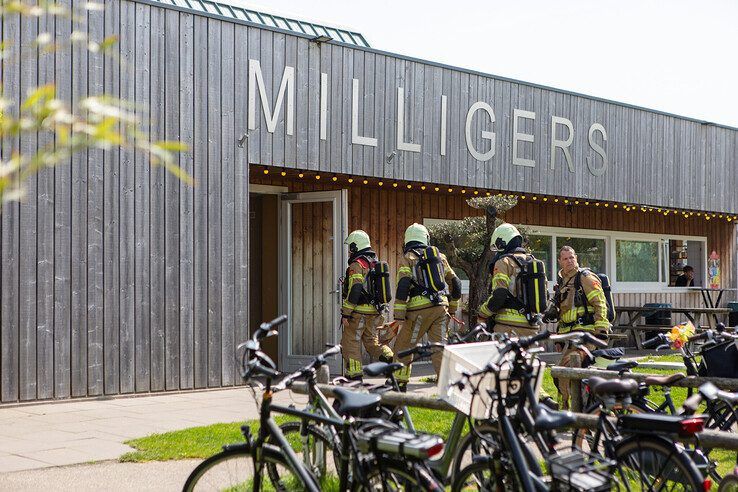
{"x": 317, "y": 362}
{"x": 422, "y": 348}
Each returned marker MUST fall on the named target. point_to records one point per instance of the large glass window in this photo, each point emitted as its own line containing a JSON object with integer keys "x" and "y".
{"x": 590, "y": 251}
{"x": 637, "y": 261}
{"x": 683, "y": 253}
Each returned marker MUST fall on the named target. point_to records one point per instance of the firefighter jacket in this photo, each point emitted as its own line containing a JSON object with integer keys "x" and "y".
{"x": 356, "y": 299}
{"x": 409, "y": 297}
{"x": 504, "y": 276}
{"x": 571, "y": 303}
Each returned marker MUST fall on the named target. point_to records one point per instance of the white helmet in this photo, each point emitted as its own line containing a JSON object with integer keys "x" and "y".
{"x": 357, "y": 241}
{"x": 417, "y": 232}
{"x": 503, "y": 235}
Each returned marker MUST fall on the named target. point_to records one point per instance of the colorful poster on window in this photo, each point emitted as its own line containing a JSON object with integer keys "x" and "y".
{"x": 713, "y": 270}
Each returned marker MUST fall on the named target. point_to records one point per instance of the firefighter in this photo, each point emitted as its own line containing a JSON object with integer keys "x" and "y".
{"x": 506, "y": 306}
{"x": 579, "y": 305}
{"x": 361, "y": 315}
{"x": 506, "y": 317}
{"x": 425, "y": 281}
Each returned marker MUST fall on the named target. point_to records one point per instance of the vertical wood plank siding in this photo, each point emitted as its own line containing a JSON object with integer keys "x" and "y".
{"x": 117, "y": 277}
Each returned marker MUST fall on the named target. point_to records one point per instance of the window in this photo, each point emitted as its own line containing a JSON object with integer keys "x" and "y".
{"x": 637, "y": 261}
{"x": 682, "y": 253}
{"x": 634, "y": 261}
{"x": 590, "y": 251}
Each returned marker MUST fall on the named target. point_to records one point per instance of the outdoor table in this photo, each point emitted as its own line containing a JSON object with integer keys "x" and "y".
{"x": 707, "y": 295}
{"x": 634, "y": 314}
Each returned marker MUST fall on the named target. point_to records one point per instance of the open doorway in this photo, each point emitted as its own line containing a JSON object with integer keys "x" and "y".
{"x": 264, "y": 267}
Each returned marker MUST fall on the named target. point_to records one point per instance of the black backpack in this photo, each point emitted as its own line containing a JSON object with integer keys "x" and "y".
{"x": 378, "y": 287}
{"x": 430, "y": 275}
{"x": 605, "y": 282}
{"x": 532, "y": 286}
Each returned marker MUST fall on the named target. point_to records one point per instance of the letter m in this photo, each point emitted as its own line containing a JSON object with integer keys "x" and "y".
{"x": 256, "y": 78}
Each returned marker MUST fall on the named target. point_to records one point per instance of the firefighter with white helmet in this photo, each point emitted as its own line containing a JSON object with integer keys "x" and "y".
{"x": 428, "y": 292}
{"x": 504, "y": 303}
{"x": 361, "y": 312}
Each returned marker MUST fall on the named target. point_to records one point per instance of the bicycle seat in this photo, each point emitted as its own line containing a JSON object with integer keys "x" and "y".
{"x": 351, "y": 402}
{"x": 622, "y": 365}
{"x": 664, "y": 380}
{"x": 601, "y": 386}
{"x": 381, "y": 368}
{"x": 551, "y": 419}
{"x": 609, "y": 354}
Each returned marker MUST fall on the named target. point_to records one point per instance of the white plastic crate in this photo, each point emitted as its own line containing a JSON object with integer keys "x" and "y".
{"x": 471, "y": 357}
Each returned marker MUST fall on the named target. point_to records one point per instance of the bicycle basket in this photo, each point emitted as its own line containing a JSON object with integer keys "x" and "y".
{"x": 395, "y": 441}
{"x": 720, "y": 361}
{"x": 470, "y": 358}
{"x": 578, "y": 470}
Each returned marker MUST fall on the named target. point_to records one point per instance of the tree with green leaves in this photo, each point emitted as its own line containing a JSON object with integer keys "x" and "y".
{"x": 98, "y": 121}
{"x": 466, "y": 244}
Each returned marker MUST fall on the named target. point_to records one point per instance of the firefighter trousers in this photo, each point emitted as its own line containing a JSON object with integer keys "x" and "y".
{"x": 432, "y": 320}
{"x": 362, "y": 328}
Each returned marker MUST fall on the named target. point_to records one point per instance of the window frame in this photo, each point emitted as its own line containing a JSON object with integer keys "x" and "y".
{"x": 610, "y": 237}
{"x": 611, "y": 257}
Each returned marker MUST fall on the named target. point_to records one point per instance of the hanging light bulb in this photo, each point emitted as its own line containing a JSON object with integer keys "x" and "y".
{"x": 266, "y": 171}
{"x": 350, "y": 180}
{"x": 334, "y": 178}
{"x": 380, "y": 183}
{"x": 317, "y": 176}
{"x": 422, "y": 187}
{"x": 283, "y": 173}
{"x": 366, "y": 181}
{"x": 301, "y": 175}
{"x": 394, "y": 185}
{"x": 436, "y": 188}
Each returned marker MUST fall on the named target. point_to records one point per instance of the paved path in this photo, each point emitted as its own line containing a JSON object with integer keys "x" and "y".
{"x": 64, "y": 433}
{"x": 71, "y": 432}
{"x": 109, "y": 476}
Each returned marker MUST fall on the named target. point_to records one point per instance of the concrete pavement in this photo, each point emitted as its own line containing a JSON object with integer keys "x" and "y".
{"x": 62, "y": 433}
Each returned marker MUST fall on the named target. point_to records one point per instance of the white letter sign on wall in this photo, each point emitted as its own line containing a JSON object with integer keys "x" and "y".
{"x": 355, "y": 137}
{"x": 401, "y": 144}
{"x": 521, "y": 137}
{"x": 489, "y": 135}
{"x": 596, "y": 127}
{"x": 323, "y": 106}
{"x": 562, "y": 144}
{"x": 288, "y": 85}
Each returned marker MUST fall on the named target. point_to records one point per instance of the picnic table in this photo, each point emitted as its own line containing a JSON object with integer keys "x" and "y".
{"x": 707, "y": 295}
{"x": 633, "y": 315}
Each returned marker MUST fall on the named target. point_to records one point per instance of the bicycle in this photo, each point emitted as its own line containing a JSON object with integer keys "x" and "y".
{"x": 374, "y": 455}
{"x": 635, "y": 460}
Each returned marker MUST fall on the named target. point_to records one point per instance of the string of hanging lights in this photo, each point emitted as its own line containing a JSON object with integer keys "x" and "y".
{"x": 569, "y": 201}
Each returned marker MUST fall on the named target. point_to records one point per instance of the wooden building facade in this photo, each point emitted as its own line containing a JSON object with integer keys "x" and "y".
{"x": 118, "y": 278}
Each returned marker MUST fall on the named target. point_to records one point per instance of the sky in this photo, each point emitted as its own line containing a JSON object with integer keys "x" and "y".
{"x": 672, "y": 55}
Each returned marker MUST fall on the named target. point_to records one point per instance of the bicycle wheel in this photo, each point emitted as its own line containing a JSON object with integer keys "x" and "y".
{"x": 583, "y": 438}
{"x": 397, "y": 476}
{"x": 488, "y": 475}
{"x": 729, "y": 483}
{"x": 233, "y": 470}
{"x": 315, "y": 450}
{"x": 471, "y": 446}
{"x": 646, "y": 463}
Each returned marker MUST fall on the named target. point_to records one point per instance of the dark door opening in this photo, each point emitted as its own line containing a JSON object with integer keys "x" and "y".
{"x": 264, "y": 267}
